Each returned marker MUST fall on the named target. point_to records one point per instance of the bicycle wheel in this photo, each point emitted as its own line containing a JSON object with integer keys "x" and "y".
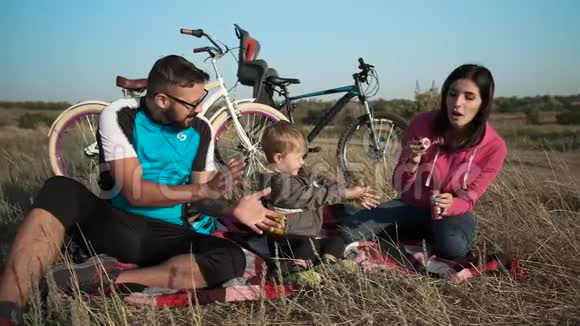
{"x": 254, "y": 118}
{"x": 72, "y": 146}
{"x": 360, "y": 160}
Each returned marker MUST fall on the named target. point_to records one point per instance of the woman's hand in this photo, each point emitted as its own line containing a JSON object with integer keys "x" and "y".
{"x": 417, "y": 148}
{"x": 368, "y": 201}
{"x": 355, "y": 192}
{"x": 362, "y": 196}
{"x": 444, "y": 201}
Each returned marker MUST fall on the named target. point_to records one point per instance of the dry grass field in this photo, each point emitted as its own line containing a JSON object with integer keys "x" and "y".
{"x": 531, "y": 211}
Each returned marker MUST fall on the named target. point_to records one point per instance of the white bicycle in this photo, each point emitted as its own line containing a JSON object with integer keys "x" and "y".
{"x": 237, "y": 126}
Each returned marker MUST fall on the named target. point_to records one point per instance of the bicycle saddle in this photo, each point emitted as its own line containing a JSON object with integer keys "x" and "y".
{"x": 131, "y": 84}
{"x": 279, "y": 81}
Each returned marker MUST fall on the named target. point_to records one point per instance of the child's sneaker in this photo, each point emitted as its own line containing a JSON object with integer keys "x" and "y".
{"x": 346, "y": 266}
{"x": 307, "y": 278}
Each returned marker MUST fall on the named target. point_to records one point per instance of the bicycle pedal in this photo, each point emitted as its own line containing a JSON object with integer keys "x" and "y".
{"x": 316, "y": 149}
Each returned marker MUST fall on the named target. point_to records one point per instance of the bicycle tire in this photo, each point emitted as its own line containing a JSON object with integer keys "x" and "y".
{"x": 222, "y": 121}
{"x": 69, "y": 116}
{"x": 347, "y": 169}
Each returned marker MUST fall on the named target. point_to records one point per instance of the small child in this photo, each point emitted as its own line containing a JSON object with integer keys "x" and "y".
{"x": 301, "y": 196}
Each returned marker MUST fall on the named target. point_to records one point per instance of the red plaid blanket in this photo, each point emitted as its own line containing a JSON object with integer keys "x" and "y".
{"x": 408, "y": 259}
{"x": 252, "y": 286}
{"x": 411, "y": 259}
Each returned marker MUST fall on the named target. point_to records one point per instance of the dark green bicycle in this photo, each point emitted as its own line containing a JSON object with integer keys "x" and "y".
{"x": 368, "y": 145}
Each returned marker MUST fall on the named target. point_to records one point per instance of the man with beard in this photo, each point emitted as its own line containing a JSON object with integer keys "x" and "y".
{"x": 158, "y": 172}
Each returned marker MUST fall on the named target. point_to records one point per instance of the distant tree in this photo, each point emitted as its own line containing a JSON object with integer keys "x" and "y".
{"x": 313, "y": 115}
{"x": 401, "y": 107}
{"x": 346, "y": 117}
{"x": 427, "y": 100}
{"x": 505, "y": 104}
{"x": 533, "y": 116}
{"x": 569, "y": 117}
{"x": 35, "y": 105}
{"x": 33, "y": 120}
{"x": 309, "y": 112}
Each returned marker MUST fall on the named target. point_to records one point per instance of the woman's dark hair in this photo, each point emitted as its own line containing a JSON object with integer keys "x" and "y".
{"x": 482, "y": 77}
{"x": 173, "y": 70}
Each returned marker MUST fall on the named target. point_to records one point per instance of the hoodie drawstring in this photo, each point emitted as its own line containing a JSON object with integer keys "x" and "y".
{"x": 428, "y": 182}
{"x": 466, "y": 175}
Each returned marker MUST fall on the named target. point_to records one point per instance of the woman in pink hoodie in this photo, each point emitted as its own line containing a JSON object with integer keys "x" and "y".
{"x": 449, "y": 158}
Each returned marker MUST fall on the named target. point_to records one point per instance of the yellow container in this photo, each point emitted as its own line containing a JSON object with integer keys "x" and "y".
{"x": 282, "y": 221}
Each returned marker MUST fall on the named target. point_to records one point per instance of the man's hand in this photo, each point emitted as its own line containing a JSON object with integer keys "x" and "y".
{"x": 444, "y": 201}
{"x": 235, "y": 169}
{"x": 250, "y": 212}
{"x": 223, "y": 181}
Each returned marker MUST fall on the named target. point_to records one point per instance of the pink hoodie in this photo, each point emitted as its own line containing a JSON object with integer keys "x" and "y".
{"x": 465, "y": 174}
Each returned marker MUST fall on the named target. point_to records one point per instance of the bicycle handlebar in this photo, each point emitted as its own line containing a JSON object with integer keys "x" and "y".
{"x": 204, "y": 49}
{"x": 192, "y": 32}
{"x": 364, "y": 66}
{"x": 200, "y": 33}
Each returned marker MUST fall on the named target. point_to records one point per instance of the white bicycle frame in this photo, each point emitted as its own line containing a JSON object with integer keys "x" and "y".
{"x": 231, "y": 106}
{"x": 221, "y": 92}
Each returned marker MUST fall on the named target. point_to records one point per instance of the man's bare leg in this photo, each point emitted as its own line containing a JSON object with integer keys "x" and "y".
{"x": 35, "y": 248}
{"x": 179, "y": 272}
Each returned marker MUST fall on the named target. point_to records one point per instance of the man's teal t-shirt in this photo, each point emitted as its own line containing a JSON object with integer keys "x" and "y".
{"x": 168, "y": 156}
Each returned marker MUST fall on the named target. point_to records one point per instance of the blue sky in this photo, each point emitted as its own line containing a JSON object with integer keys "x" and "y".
{"x": 72, "y": 50}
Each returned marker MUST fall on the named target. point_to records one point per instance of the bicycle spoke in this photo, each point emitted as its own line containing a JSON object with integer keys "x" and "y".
{"x": 75, "y": 148}
{"x": 370, "y": 148}
{"x": 262, "y": 159}
{"x": 253, "y": 126}
{"x": 90, "y": 125}
{"x": 227, "y": 139}
{"x": 380, "y": 134}
{"x": 94, "y": 165}
{"x": 95, "y": 123}
{"x": 83, "y": 134}
{"x": 228, "y": 145}
{"x": 263, "y": 128}
{"x": 251, "y": 129}
{"x": 388, "y": 140}
{"x": 255, "y": 131}
{"x": 251, "y": 165}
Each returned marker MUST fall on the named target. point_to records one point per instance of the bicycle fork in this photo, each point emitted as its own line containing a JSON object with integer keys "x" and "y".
{"x": 371, "y": 120}
{"x": 234, "y": 111}
{"x": 375, "y": 138}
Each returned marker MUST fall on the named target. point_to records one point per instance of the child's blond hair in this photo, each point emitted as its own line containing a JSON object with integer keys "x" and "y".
{"x": 282, "y": 137}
